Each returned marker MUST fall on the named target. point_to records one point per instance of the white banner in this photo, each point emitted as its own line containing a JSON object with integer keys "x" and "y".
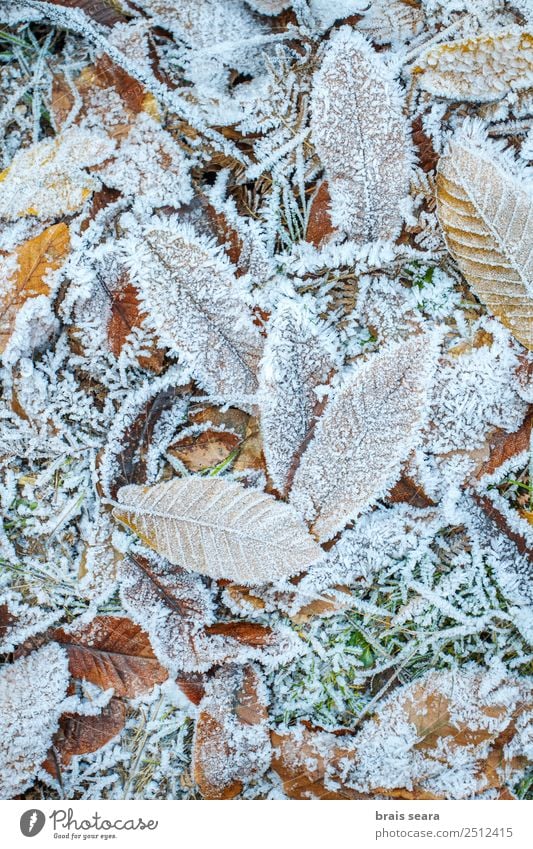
{"x": 254, "y": 825}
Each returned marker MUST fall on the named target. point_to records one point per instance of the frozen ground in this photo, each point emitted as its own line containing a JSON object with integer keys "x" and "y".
{"x": 266, "y": 284}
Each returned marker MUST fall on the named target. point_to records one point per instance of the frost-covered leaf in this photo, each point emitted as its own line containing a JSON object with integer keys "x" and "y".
{"x": 482, "y": 67}
{"x": 188, "y": 289}
{"x": 298, "y": 358}
{"x": 79, "y": 734}
{"x": 150, "y": 165}
{"x": 27, "y": 271}
{"x": 231, "y": 741}
{"x": 391, "y": 21}
{"x": 449, "y": 735}
{"x": 300, "y": 758}
{"x": 219, "y": 528}
{"x": 32, "y": 690}
{"x": 485, "y": 211}
{"x": 112, "y": 652}
{"x": 178, "y": 612}
{"x": 366, "y": 432}
{"x": 361, "y": 136}
{"x": 49, "y": 179}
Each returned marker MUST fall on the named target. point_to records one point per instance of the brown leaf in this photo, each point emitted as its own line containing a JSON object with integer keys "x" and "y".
{"x": 503, "y": 446}
{"x": 205, "y": 450}
{"x": 7, "y": 620}
{"x": 249, "y": 633}
{"x": 501, "y": 522}
{"x": 102, "y": 11}
{"x": 79, "y": 735}
{"x": 427, "y": 155}
{"x": 407, "y": 490}
{"x": 324, "y": 606}
{"x": 112, "y": 651}
{"x": 192, "y": 685}
{"x": 137, "y": 439}
{"x": 231, "y": 741}
{"x": 319, "y": 224}
{"x": 251, "y": 453}
{"x": 36, "y": 258}
{"x": 125, "y": 315}
{"x": 462, "y": 715}
{"x": 300, "y": 759}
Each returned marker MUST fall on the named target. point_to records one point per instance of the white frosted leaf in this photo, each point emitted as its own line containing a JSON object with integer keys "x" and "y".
{"x": 32, "y": 690}
{"x": 486, "y": 213}
{"x": 481, "y": 68}
{"x": 297, "y": 359}
{"x": 189, "y": 292}
{"x": 361, "y": 136}
{"x": 49, "y": 179}
{"x": 366, "y": 432}
{"x": 219, "y": 528}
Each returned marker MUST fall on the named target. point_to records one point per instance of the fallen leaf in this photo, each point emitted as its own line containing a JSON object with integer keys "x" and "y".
{"x": 231, "y": 742}
{"x": 205, "y": 450}
{"x": 35, "y": 259}
{"x": 361, "y": 137}
{"x": 79, "y": 734}
{"x": 297, "y": 360}
{"x": 423, "y": 730}
{"x": 484, "y": 209}
{"x": 368, "y": 429}
{"x": 112, "y": 651}
{"x": 188, "y": 290}
{"x": 483, "y": 67}
{"x": 319, "y": 226}
{"x": 48, "y": 179}
{"x": 32, "y": 690}
{"x": 219, "y": 528}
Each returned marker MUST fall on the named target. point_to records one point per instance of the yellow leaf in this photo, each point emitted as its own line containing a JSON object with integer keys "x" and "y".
{"x": 486, "y": 215}
{"x": 35, "y": 259}
{"x": 482, "y": 68}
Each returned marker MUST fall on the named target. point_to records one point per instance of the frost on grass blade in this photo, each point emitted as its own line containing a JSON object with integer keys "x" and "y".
{"x": 32, "y": 690}
{"x": 361, "y": 136}
{"x": 298, "y": 359}
{"x": 485, "y": 209}
{"x": 189, "y": 291}
{"x": 218, "y": 528}
{"x": 366, "y": 432}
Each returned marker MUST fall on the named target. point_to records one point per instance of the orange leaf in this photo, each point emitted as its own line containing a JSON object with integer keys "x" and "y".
{"x": 36, "y": 258}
